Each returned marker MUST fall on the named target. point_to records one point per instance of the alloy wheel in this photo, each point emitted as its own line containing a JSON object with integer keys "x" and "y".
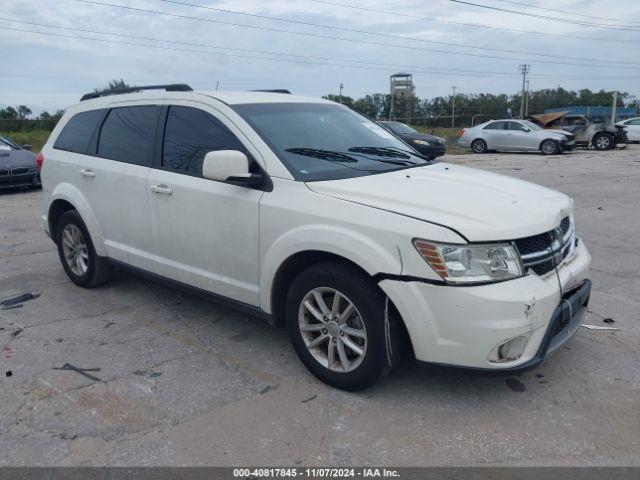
{"x": 332, "y": 329}
{"x": 75, "y": 250}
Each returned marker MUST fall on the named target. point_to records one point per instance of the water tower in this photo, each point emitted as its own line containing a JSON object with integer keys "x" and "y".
{"x": 401, "y": 85}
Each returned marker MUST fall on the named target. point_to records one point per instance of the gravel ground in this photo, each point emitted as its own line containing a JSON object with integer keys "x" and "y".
{"x": 185, "y": 382}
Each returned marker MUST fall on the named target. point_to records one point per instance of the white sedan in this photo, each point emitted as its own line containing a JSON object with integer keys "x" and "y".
{"x": 632, "y": 126}
{"x": 515, "y": 136}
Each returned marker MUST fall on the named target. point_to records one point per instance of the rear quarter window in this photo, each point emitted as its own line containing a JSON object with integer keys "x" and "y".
{"x": 76, "y": 134}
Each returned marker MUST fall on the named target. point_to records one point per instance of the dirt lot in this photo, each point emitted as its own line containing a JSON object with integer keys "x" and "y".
{"x": 184, "y": 382}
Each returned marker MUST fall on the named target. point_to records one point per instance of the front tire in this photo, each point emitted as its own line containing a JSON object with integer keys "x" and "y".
{"x": 338, "y": 323}
{"x": 479, "y": 146}
{"x": 77, "y": 254}
{"x": 602, "y": 141}
{"x": 550, "y": 147}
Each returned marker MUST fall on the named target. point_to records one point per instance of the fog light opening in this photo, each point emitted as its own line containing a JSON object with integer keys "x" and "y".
{"x": 510, "y": 350}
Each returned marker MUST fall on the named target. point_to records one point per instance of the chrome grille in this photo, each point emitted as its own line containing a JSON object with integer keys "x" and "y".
{"x": 542, "y": 252}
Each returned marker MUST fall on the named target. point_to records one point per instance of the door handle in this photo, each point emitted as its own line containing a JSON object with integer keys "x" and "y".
{"x": 87, "y": 172}
{"x": 163, "y": 189}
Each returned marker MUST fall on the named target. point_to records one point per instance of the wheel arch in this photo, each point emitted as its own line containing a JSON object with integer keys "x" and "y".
{"x": 66, "y": 197}
{"x": 555, "y": 140}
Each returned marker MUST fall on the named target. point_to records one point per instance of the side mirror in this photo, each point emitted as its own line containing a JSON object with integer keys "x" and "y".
{"x": 223, "y": 165}
{"x": 26, "y": 146}
{"x": 526, "y": 129}
{"x": 230, "y": 166}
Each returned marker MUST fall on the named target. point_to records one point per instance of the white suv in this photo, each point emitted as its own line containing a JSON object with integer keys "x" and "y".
{"x": 312, "y": 216}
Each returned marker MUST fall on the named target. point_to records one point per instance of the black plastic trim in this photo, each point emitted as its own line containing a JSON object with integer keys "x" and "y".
{"x": 174, "y": 87}
{"x": 205, "y": 294}
{"x": 379, "y": 277}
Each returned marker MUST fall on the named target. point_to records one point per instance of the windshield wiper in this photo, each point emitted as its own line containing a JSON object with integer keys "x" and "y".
{"x": 381, "y": 151}
{"x": 389, "y": 151}
{"x": 323, "y": 154}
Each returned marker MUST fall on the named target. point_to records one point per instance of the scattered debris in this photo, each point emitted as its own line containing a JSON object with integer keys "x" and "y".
{"x": 19, "y": 299}
{"x": 147, "y": 373}
{"x": 81, "y": 371}
{"x": 598, "y": 327}
{"x": 514, "y": 384}
{"x": 109, "y": 324}
{"x": 7, "y": 352}
{"x": 11, "y": 307}
{"x": 17, "y": 332}
{"x": 66, "y": 436}
{"x": 608, "y": 320}
{"x": 312, "y": 397}
{"x": 264, "y": 389}
{"x": 539, "y": 375}
{"x": 59, "y": 340}
{"x": 8, "y": 373}
{"x": 600, "y": 208}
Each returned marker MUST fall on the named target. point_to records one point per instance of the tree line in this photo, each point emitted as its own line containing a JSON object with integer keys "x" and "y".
{"x": 412, "y": 109}
{"x": 437, "y": 111}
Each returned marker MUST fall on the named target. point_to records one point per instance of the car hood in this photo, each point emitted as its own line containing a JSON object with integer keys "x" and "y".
{"x": 16, "y": 159}
{"x": 481, "y": 206}
{"x": 421, "y": 136}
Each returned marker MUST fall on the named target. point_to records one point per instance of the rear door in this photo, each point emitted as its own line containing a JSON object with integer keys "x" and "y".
{"x": 496, "y": 135}
{"x": 116, "y": 180}
{"x": 205, "y": 232}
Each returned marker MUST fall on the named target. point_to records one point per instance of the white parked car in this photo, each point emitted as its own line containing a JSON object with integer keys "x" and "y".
{"x": 515, "y": 136}
{"x": 312, "y": 216}
{"x": 632, "y": 128}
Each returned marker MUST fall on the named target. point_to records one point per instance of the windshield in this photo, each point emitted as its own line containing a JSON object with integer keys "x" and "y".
{"x": 318, "y": 141}
{"x": 400, "y": 128}
{"x": 531, "y": 125}
{"x": 6, "y": 144}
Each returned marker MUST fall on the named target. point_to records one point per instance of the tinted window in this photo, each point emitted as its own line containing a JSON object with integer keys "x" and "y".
{"x": 634, "y": 122}
{"x": 515, "y": 126}
{"x": 76, "y": 134}
{"x": 189, "y": 135}
{"x": 496, "y": 126}
{"x": 399, "y": 128}
{"x": 128, "y": 133}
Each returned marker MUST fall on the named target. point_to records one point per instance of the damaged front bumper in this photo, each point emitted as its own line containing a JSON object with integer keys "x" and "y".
{"x": 465, "y": 326}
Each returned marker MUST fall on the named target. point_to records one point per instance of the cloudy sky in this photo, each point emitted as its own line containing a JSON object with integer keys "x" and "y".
{"x": 311, "y": 46}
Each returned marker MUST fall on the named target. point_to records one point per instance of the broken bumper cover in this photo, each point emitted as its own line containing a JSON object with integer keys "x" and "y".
{"x": 463, "y": 326}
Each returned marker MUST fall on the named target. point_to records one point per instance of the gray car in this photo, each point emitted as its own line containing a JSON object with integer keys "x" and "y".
{"x": 17, "y": 165}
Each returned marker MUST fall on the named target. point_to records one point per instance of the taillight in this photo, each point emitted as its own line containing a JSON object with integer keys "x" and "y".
{"x": 461, "y": 132}
{"x": 39, "y": 160}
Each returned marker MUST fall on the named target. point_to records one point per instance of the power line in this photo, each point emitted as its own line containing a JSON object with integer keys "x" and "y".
{"x": 379, "y": 34}
{"x": 352, "y": 40}
{"x": 335, "y": 62}
{"x": 432, "y": 70}
{"x": 629, "y": 28}
{"x": 465, "y": 24}
{"x": 523, "y": 4}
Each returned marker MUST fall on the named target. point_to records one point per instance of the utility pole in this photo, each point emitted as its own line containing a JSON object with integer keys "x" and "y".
{"x": 340, "y": 94}
{"x": 614, "y": 106}
{"x": 526, "y": 102}
{"x": 453, "y": 107}
{"x": 524, "y": 69}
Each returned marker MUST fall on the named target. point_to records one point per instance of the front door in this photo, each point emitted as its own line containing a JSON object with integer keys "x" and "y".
{"x": 205, "y": 232}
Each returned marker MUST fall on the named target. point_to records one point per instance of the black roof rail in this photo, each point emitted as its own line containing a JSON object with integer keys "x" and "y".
{"x": 174, "y": 87}
{"x": 275, "y": 90}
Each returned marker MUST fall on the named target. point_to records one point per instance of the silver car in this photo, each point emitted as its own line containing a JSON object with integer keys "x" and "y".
{"x": 515, "y": 136}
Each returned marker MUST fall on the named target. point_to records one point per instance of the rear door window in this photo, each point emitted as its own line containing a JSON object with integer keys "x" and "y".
{"x": 128, "y": 134}
{"x": 496, "y": 126}
{"x": 76, "y": 134}
{"x": 190, "y": 133}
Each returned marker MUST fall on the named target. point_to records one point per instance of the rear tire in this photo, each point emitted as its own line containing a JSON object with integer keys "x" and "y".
{"x": 550, "y": 147}
{"x": 602, "y": 141}
{"x": 346, "y": 346}
{"x": 479, "y": 146}
{"x": 77, "y": 254}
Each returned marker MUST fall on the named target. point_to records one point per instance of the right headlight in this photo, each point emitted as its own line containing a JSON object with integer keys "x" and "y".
{"x": 471, "y": 263}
